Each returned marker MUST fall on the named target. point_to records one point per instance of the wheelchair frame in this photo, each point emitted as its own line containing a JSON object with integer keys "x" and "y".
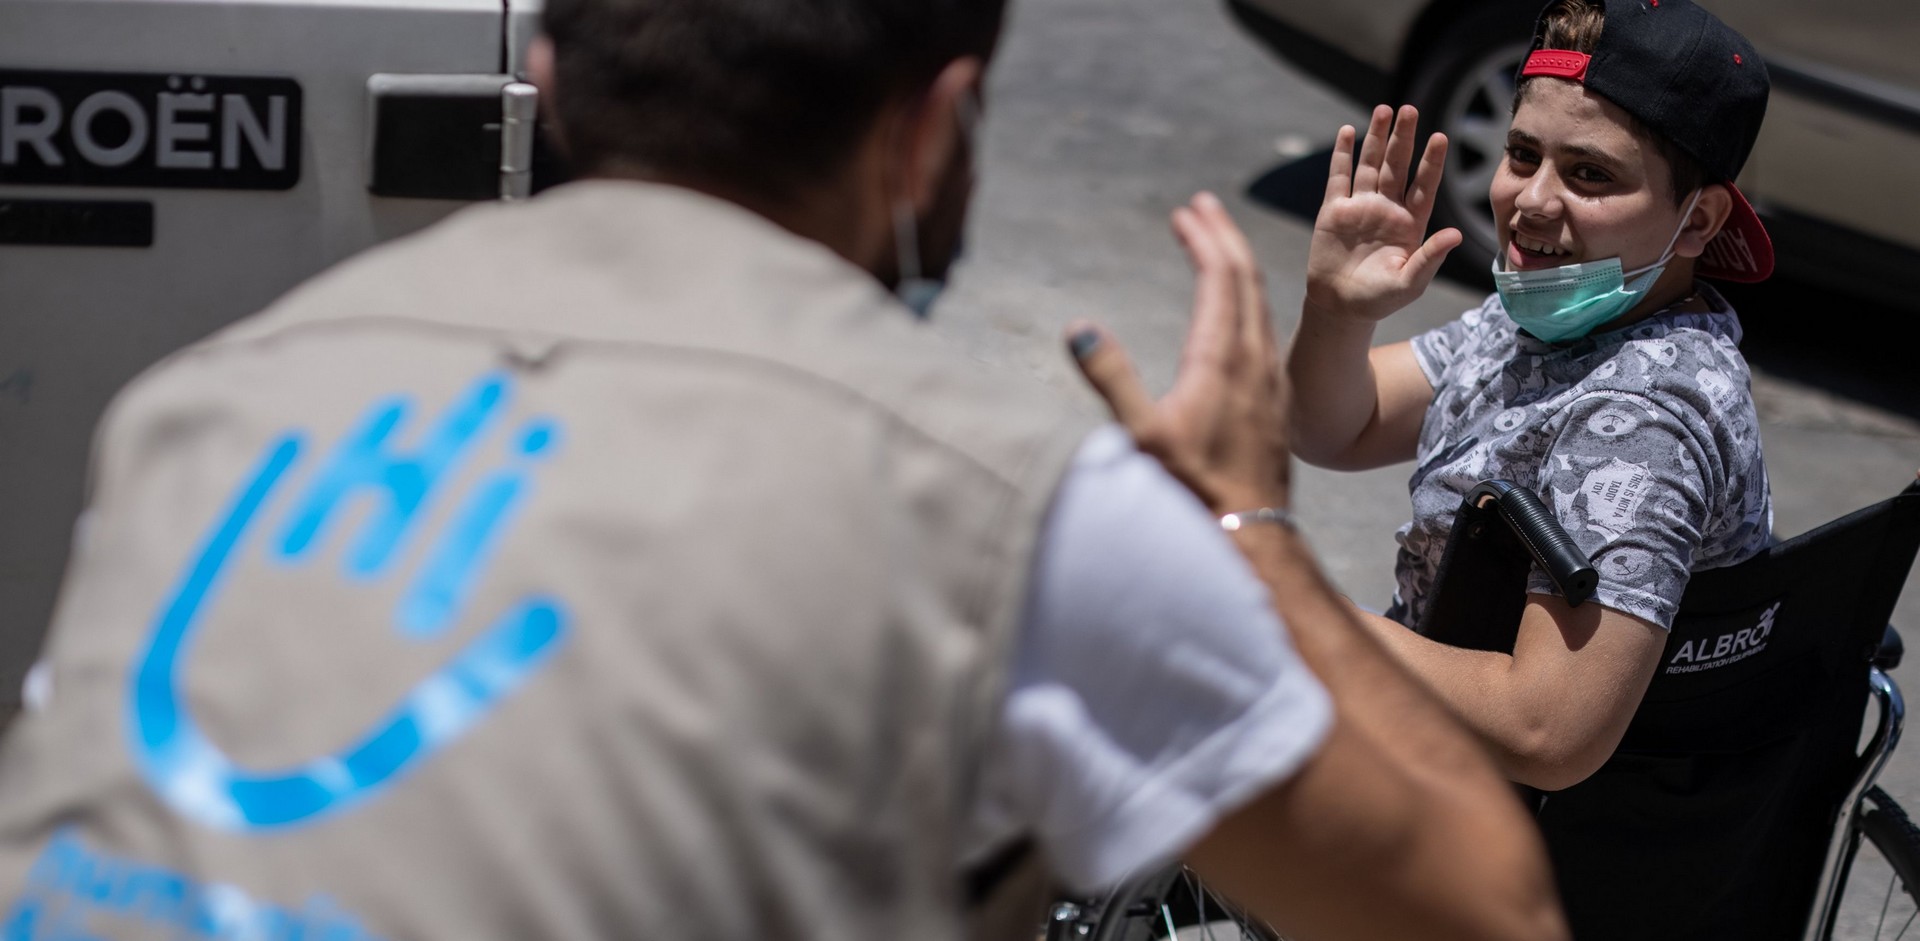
{"x": 1846, "y": 831}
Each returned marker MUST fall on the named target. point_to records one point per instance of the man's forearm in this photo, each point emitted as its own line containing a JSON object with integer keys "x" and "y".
{"x": 1371, "y": 686}
{"x": 1463, "y": 841}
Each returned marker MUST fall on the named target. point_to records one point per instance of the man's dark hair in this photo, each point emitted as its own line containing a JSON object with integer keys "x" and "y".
{"x": 766, "y": 96}
{"x": 1575, "y": 25}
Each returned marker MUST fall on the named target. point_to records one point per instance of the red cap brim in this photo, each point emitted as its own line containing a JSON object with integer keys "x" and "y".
{"x": 1742, "y": 252}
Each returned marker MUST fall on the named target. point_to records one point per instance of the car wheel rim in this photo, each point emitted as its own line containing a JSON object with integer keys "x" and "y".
{"x": 1475, "y": 120}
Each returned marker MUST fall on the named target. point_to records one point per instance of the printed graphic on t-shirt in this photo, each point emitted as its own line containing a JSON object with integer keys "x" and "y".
{"x": 1613, "y": 421}
{"x": 1643, "y": 440}
{"x": 1610, "y": 497}
{"x": 1664, "y": 352}
{"x": 1719, "y": 389}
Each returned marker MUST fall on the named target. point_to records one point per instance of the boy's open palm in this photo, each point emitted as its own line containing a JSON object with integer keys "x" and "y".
{"x": 1368, "y": 259}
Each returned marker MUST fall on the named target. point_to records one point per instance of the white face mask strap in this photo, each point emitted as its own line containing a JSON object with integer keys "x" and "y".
{"x": 906, "y": 240}
{"x": 1666, "y": 255}
{"x": 906, "y": 227}
{"x": 968, "y": 108}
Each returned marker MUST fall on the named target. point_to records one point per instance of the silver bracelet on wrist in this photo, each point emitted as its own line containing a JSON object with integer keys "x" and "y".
{"x": 1234, "y": 522}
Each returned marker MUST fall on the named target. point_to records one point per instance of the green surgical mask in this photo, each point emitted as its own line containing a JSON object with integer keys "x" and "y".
{"x": 1568, "y": 302}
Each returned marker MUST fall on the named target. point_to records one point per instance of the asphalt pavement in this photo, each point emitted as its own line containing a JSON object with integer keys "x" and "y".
{"x": 1103, "y": 115}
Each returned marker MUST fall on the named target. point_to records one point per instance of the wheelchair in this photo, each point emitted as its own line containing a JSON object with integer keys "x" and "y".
{"x": 1742, "y": 796}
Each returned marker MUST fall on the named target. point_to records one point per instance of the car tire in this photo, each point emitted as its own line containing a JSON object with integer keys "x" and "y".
{"x": 1463, "y": 86}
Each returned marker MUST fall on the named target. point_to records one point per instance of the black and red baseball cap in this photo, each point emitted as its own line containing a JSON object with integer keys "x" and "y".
{"x": 1691, "y": 79}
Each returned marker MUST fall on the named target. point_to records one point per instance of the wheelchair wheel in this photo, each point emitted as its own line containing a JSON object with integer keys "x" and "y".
{"x": 1880, "y": 897}
{"x": 1174, "y": 904}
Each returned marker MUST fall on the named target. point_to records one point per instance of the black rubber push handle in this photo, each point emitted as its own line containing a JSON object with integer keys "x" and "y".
{"x": 1572, "y": 572}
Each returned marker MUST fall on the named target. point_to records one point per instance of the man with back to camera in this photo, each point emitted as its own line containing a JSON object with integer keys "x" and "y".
{"x": 630, "y": 561}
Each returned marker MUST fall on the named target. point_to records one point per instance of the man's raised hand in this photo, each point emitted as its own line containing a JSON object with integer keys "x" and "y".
{"x": 1222, "y": 428}
{"x": 1368, "y": 259}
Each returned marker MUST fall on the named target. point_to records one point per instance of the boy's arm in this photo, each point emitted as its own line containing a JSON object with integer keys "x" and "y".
{"x": 1399, "y": 826}
{"x": 1354, "y": 409}
{"x": 1367, "y": 404}
{"x": 1554, "y": 710}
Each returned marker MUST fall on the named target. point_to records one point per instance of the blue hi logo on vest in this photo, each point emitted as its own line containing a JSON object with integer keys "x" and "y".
{"x": 193, "y": 775}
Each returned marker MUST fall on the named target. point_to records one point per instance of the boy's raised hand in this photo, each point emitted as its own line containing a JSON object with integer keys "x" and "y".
{"x": 1368, "y": 259}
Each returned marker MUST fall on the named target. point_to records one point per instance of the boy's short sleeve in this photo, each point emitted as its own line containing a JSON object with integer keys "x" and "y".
{"x": 1436, "y": 350}
{"x": 1629, "y": 483}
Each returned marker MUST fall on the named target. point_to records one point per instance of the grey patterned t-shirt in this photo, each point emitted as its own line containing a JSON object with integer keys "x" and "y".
{"x": 1642, "y": 440}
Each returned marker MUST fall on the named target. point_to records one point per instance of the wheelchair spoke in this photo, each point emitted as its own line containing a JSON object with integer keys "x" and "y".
{"x": 1874, "y": 900}
{"x": 1888, "y": 900}
{"x": 1213, "y": 916}
{"x": 1879, "y": 928}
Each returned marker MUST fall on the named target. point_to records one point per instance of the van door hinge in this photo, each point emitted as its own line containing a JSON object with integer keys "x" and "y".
{"x": 467, "y": 137}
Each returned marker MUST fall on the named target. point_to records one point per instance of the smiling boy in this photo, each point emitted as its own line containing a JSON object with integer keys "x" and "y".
{"x": 1602, "y": 375}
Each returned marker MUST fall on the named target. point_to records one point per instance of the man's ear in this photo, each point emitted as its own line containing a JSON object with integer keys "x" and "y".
{"x": 540, "y": 71}
{"x": 1700, "y": 227}
{"x": 936, "y": 132}
{"x": 540, "y": 67}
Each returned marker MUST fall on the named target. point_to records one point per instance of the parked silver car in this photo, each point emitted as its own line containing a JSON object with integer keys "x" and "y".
{"x": 1832, "y": 171}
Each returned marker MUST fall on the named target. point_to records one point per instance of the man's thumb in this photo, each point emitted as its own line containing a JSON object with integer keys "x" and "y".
{"x": 1111, "y": 373}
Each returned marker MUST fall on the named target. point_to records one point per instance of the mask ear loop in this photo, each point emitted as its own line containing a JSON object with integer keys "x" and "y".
{"x": 906, "y": 240}
{"x": 906, "y": 227}
{"x": 1667, "y": 254}
{"x": 968, "y": 111}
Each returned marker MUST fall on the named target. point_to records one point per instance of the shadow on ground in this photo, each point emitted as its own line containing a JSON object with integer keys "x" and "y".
{"x": 1295, "y": 186}
{"x": 1795, "y": 330}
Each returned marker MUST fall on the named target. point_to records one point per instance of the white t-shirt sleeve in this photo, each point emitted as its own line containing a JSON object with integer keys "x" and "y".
{"x": 1154, "y": 689}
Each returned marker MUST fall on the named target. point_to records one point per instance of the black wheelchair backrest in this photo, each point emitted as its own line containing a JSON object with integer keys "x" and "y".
{"x": 1713, "y": 817}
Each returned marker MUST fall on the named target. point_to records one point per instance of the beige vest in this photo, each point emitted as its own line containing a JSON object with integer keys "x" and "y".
{"x": 616, "y": 565}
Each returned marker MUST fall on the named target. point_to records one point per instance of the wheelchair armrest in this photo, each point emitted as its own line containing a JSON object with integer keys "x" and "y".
{"x": 1546, "y": 540}
{"x": 1892, "y": 648}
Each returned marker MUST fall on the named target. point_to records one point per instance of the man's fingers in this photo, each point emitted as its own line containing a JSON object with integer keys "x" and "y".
{"x": 1111, "y": 373}
{"x": 1216, "y": 320}
{"x": 1340, "y": 171}
{"x": 1394, "y": 171}
{"x": 1256, "y": 328}
{"x": 1373, "y": 150}
{"x": 1225, "y": 232}
{"x": 1426, "y": 182}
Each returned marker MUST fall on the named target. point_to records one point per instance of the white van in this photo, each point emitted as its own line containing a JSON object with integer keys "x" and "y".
{"x": 169, "y": 166}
